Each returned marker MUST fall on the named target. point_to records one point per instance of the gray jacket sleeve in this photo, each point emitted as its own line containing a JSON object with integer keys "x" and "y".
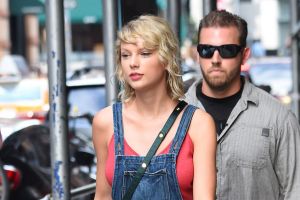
{"x": 287, "y": 164}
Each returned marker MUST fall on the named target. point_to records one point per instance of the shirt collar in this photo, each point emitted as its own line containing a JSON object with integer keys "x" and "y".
{"x": 248, "y": 94}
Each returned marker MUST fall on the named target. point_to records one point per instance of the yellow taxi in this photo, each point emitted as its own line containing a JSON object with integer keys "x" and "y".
{"x": 24, "y": 99}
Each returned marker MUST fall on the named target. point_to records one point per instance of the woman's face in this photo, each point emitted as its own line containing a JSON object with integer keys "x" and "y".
{"x": 141, "y": 67}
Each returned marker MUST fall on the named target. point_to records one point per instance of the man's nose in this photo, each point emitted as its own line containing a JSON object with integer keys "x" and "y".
{"x": 216, "y": 58}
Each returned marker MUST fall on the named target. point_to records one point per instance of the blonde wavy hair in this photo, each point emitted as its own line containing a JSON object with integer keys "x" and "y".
{"x": 157, "y": 35}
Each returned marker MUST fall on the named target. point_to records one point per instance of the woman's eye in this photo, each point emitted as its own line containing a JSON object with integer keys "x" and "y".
{"x": 146, "y": 53}
{"x": 124, "y": 55}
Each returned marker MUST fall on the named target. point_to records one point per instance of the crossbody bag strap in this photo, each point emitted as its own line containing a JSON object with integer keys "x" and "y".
{"x": 160, "y": 137}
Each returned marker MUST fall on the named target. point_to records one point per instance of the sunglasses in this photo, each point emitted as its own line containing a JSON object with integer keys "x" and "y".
{"x": 226, "y": 50}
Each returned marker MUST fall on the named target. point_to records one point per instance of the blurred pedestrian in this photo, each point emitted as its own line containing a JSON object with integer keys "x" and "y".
{"x": 257, "y": 49}
{"x": 258, "y": 150}
{"x": 183, "y": 167}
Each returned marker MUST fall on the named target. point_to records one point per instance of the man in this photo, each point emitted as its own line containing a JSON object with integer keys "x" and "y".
{"x": 258, "y": 152}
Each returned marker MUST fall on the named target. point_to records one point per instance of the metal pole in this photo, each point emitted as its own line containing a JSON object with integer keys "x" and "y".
{"x": 109, "y": 34}
{"x": 68, "y": 35}
{"x": 83, "y": 190}
{"x": 295, "y": 56}
{"x": 58, "y": 106}
{"x": 173, "y": 15}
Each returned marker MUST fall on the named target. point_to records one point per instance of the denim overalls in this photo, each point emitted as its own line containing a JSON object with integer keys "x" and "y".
{"x": 159, "y": 181}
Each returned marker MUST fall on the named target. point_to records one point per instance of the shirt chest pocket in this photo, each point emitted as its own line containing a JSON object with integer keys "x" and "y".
{"x": 247, "y": 147}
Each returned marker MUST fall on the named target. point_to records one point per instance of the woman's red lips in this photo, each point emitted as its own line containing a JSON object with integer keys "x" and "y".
{"x": 135, "y": 76}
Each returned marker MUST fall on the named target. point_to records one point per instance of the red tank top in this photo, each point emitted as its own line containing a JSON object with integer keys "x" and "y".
{"x": 184, "y": 165}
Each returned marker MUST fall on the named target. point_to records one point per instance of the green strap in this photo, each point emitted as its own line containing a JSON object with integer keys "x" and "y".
{"x": 160, "y": 137}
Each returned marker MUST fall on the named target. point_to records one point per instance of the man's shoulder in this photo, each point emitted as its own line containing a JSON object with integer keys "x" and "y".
{"x": 191, "y": 97}
{"x": 268, "y": 104}
{"x": 265, "y": 97}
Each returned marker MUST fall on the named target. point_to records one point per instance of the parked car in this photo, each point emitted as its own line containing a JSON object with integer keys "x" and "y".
{"x": 86, "y": 94}
{"x": 24, "y": 99}
{"x": 275, "y": 72}
{"x": 26, "y": 152}
{"x": 11, "y": 125}
{"x": 27, "y": 162}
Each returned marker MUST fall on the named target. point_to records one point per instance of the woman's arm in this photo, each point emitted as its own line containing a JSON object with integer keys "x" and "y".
{"x": 203, "y": 133}
{"x": 102, "y": 132}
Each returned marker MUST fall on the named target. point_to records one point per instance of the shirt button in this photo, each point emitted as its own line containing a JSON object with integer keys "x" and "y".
{"x": 144, "y": 165}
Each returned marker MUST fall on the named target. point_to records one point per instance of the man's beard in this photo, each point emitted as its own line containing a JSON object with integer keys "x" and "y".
{"x": 223, "y": 82}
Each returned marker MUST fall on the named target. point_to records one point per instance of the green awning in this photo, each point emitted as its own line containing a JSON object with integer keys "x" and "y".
{"x": 81, "y": 11}
{"x": 86, "y": 11}
{"x": 21, "y": 7}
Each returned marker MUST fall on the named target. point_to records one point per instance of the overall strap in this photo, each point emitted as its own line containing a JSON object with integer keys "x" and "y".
{"x": 118, "y": 128}
{"x": 160, "y": 137}
{"x": 182, "y": 129}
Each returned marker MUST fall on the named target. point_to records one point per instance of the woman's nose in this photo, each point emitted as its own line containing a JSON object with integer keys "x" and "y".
{"x": 134, "y": 62}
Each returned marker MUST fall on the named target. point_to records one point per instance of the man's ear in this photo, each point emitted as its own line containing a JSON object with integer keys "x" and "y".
{"x": 246, "y": 55}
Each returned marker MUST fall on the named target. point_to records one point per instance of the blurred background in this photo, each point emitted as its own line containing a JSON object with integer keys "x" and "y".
{"x": 24, "y": 84}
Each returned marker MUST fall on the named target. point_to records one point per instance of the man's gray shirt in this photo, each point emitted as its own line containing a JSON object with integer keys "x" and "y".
{"x": 258, "y": 152}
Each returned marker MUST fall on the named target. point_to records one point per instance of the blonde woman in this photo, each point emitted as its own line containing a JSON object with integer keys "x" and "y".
{"x": 183, "y": 167}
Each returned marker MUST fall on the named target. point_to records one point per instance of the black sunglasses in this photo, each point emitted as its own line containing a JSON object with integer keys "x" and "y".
{"x": 226, "y": 50}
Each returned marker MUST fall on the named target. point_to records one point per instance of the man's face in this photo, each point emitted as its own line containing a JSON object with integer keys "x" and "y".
{"x": 221, "y": 73}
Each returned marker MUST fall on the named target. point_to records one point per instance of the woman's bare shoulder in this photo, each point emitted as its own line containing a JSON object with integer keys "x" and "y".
{"x": 202, "y": 124}
{"x": 201, "y": 115}
{"x": 103, "y": 123}
{"x": 103, "y": 116}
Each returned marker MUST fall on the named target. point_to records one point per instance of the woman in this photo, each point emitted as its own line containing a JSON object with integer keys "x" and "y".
{"x": 184, "y": 164}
